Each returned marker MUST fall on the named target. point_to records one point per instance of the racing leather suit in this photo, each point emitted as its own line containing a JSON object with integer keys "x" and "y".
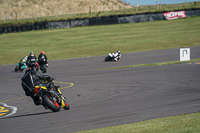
{"x": 116, "y": 56}
{"x": 31, "y": 58}
{"x": 30, "y": 80}
{"x": 22, "y": 63}
{"x": 40, "y": 59}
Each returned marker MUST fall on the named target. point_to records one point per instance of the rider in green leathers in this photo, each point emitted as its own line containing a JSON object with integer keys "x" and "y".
{"x": 23, "y": 62}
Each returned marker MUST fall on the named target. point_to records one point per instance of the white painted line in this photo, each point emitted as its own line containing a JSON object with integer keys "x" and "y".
{"x": 13, "y": 112}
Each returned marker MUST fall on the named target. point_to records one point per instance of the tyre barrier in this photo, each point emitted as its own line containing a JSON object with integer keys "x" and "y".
{"x": 1, "y": 30}
{"x": 24, "y": 28}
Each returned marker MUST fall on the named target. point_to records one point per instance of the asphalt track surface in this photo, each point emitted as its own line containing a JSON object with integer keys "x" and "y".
{"x": 102, "y": 98}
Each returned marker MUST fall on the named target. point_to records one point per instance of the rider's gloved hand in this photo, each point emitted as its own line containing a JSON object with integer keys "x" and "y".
{"x": 49, "y": 78}
{"x": 37, "y": 90}
{"x": 52, "y": 78}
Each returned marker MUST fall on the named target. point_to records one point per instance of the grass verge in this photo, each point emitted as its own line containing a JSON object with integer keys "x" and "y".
{"x": 188, "y": 123}
{"x": 151, "y": 64}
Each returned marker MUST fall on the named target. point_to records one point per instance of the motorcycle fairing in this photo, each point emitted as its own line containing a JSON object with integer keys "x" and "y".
{"x": 27, "y": 81}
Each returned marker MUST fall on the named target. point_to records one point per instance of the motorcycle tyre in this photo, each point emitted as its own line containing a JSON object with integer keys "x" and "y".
{"x": 107, "y": 59}
{"x": 67, "y": 106}
{"x": 16, "y": 68}
{"x": 50, "y": 104}
{"x": 34, "y": 69}
{"x": 43, "y": 69}
{"x": 21, "y": 70}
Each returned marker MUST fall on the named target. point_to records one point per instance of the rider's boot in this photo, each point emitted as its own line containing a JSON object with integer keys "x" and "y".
{"x": 39, "y": 102}
{"x": 44, "y": 106}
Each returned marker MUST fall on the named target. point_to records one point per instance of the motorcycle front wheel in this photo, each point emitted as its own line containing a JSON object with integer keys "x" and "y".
{"x": 16, "y": 68}
{"x": 66, "y": 107}
{"x": 50, "y": 103}
{"x": 107, "y": 58}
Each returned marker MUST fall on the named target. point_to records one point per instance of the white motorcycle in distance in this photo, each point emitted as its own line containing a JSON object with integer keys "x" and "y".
{"x": 113, "y": 56}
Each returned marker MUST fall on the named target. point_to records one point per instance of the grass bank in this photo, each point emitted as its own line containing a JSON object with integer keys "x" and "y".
{"x": 100, "y": 40}
{"x": 49, "y": 11}
{"x": 188, "y": 123}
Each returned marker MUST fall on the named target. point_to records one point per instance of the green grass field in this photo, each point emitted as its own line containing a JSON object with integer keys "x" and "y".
{"x": 100, "y": 40}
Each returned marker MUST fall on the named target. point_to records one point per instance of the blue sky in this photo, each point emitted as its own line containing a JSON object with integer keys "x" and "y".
{"x": 153, "y": 2}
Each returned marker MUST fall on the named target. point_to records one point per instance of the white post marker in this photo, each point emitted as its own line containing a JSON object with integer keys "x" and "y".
{"x": 184, "y": 54}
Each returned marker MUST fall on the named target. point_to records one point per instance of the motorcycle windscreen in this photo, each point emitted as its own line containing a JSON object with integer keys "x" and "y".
{"x": 27, "y": 82}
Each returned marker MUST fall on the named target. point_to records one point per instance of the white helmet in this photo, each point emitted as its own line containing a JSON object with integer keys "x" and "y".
{"x": 118, "y": 52}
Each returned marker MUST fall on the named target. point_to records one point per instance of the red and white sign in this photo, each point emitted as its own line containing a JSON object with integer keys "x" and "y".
{"x": 174, "y": 15}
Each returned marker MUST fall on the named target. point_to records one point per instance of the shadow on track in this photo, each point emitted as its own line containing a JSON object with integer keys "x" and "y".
{"x": 29, "y": 115}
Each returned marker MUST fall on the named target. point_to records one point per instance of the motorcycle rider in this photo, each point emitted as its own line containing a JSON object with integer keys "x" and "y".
{"x": 24, "y": 60}
{"x": 116, "y": 55}
{"x": 31, "y": 57}
{"x": 41, "y": 57}
{"x": 31, "y": 83}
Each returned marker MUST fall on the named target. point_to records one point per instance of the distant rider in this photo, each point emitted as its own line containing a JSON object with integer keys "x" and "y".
{"x": 23, "y": 61}
{"x": 116, "y": 55}
{"x": 41, "y": 57}
{"x": 31, "y": 58}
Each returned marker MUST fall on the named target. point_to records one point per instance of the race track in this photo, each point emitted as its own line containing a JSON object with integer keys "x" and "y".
{"x": 101, "y": 98}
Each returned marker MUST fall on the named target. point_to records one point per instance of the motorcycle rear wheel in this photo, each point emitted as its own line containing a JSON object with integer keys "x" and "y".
{"x": 34, "y": 68}
{"x": 43, "y": 69}
{"x": 51, "y": 104}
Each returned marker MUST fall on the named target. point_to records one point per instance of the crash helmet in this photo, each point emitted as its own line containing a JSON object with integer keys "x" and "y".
{"x": 25, "y": 57}
{"x": 31, "y": 53}
{"x": 118, "y": 52}
{"x": 41, "y": 52}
